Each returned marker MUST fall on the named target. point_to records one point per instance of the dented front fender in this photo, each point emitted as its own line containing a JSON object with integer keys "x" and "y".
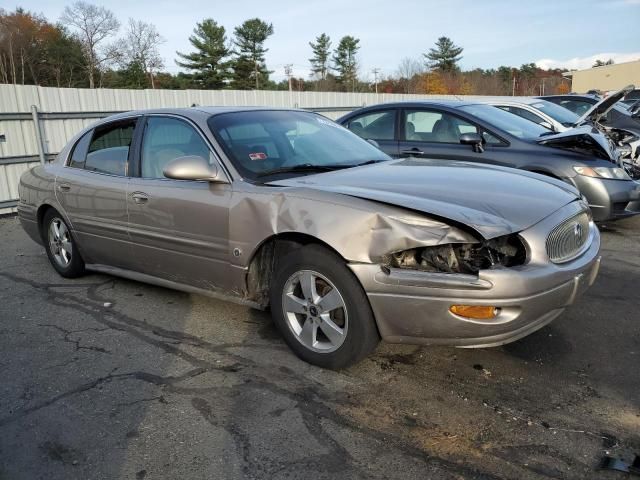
{"x": 359, "y": 230}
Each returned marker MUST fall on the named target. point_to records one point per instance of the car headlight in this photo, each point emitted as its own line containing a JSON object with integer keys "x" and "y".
{"x": 612, "y": 173}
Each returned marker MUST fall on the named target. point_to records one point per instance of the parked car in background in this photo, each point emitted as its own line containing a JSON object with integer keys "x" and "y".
{"x": 287, "y": 209}
{"x": 546, "y": 114}
{"x": 476, "y": 132}
{"x": 632, "y": 97}
{"x": 606, "y": 111}
{"x": 621, "y": 124}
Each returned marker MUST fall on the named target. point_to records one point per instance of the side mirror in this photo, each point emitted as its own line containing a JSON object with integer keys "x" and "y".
{"x": 373, "y": 142}
{"x": 473, "y": 139}
{"x": 192, "y": 167}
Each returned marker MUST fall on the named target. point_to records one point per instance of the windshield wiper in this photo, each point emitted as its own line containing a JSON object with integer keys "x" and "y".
{"x": 368, "y": 162}
{"x": 309, "y": 167}
{"x": 304, "y": 167}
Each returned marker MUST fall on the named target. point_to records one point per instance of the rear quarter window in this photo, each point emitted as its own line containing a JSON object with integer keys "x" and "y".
{"x": 79, "y": 153}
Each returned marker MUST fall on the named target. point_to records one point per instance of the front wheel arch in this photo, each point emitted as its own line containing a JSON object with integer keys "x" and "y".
{"x": 264, "y": 260}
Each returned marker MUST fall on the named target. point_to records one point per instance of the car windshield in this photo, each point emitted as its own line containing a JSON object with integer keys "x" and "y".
{"x": 622, "y": 108}
{"x": 278, "y": 142}
{"x": 508, "y": 122}
{"x": 559, "y": 114}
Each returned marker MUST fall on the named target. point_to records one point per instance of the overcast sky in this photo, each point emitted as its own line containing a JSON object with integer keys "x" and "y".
{"x": 552, "y": 33}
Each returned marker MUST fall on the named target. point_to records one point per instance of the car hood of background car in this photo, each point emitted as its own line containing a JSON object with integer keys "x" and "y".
{"x": 585, "y": 139}
{"x": 603, "y": 106}
{"x": 494, "y": 201}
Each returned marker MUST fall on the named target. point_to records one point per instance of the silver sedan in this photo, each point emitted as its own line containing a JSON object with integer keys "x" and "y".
{"x": 287, "y": 210}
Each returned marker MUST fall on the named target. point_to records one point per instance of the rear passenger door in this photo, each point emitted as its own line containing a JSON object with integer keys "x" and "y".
{"x": 379, "y": 125}
{"x": 92, "y": 190}
{"x": 179, "y": 228}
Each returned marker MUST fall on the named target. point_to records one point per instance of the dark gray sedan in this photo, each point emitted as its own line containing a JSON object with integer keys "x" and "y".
{"x": 482, "y": 133}
{"x": 289, "y": 210}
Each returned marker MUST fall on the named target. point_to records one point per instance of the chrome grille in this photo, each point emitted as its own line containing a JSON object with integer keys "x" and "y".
{"x": 569, "y": 239}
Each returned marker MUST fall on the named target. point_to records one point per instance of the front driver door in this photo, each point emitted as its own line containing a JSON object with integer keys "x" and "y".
{"x": 179, "y": 228}
{"x": 433, "y": 133}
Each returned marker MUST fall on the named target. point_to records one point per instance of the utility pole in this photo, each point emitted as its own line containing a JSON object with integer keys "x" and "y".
{"x": 375, "y": 72}
{"x": 543, "y": 86}
{"x": 513, "y": 90}
{"x": 288, "y": 71}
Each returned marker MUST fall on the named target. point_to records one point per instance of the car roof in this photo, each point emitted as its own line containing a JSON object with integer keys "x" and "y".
{"x": 197, "y": 111}
{"x": 421, "y": 103}
{"x": 571, "y": 95}
{"x": 514, "y": 100}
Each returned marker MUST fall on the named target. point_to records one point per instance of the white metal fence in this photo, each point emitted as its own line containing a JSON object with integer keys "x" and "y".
{"x": 36, "y": 122}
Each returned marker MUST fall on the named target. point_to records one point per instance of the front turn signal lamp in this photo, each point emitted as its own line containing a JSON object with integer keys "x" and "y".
{"x": 476, "y": 312}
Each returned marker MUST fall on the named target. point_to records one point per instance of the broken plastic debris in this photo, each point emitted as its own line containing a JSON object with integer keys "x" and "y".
{"x": 107, "y": 304}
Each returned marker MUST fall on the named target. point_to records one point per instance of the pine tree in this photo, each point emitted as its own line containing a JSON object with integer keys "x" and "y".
{"x": 344, "y": 60}
{"x": 444, "y": 56}
{"x": 321, "y": 53}
{"x": 249, "y": 68}
{"x": 208, "y": 61}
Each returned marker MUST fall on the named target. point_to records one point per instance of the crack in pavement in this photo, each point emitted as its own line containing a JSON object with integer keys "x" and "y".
{"x": 303, "y": 392}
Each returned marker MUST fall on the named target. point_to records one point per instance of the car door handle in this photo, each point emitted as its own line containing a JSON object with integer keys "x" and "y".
{"x": 63, "y": 187}
{"x": 140, "y": 197}
{"x": 412, "y": 151}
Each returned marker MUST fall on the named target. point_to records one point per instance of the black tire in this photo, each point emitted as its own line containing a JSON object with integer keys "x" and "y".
{"x": 361, "y": 336}
{"x": 75, "y": 266}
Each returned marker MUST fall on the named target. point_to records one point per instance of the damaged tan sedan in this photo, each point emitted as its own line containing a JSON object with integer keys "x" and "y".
{"x": 287, "y": 210}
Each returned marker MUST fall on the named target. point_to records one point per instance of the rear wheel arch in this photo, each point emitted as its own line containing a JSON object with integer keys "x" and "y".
{"x": 41, "y": 213}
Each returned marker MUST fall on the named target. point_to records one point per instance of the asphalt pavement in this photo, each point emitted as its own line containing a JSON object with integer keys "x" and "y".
{"x": 105, "y": 378}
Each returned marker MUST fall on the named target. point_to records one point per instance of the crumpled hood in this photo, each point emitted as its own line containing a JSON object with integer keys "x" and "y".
{"x": 603, "y": 106}
{"x": 492, "y": 200}
{"x": 585, "y": 139}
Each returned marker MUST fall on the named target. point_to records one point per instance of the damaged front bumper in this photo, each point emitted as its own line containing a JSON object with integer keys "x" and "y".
{"x": 414, "y": 306}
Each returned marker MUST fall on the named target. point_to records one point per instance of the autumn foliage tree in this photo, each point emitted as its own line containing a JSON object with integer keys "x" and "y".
{"x": 34, "y": 51}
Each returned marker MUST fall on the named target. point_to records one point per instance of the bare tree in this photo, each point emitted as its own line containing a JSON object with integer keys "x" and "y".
{"x": 141, "y": 45}
{"x": 408, "y": 72}
{"x": 93, "y": 26}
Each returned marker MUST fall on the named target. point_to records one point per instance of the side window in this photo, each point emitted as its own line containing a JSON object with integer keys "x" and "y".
{"x": 577, "y": 107}
{"x": 166, "y": 139}
{"x": 374, "y": 125}
{"x": 491, "y": 139}
{"x": 80, "y": 151}
{"x": 521, "y": 112}
{"x": 109, "y": 149}
{"x": 433, "y": 126}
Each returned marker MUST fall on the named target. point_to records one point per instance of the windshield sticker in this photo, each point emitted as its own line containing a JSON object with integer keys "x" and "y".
{"x": 258, "y": 156}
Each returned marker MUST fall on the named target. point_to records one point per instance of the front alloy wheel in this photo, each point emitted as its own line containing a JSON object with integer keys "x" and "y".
{"x": 315, "y": 311}
{"x": 321, "y": 309}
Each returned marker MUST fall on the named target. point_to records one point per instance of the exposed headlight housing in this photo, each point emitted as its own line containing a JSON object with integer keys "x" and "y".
{"x": 611, "y": 173}
{"x": 469, "y": 258}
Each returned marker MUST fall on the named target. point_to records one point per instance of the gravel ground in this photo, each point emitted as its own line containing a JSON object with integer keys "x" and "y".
{"x": 106, "y": 378}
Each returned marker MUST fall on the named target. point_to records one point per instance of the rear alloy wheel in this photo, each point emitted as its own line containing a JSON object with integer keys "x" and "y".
{"x": 61, "y": 247}
{"x": 321, "y": 309}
